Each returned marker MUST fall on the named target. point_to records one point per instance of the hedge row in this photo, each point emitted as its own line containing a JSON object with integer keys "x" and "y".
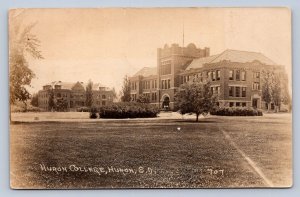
{"x": 125, "y": 110}
{"x": 83, "y": 109}
{"x": 238, "y": 111}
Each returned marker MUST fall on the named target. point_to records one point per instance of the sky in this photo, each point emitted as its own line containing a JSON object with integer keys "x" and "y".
{"x": 106, "y": 44}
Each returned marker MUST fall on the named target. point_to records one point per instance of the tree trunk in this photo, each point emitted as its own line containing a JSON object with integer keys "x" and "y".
{"x": 197, "y": 117}
{"x": 25, "y": 104}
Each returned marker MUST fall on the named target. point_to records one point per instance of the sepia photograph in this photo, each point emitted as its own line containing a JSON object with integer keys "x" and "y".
{"x": 106, "y": 98}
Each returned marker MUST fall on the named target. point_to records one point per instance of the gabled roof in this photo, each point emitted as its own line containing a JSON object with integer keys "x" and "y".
{"x": 199, "y": 62}
{"x": 64, "y": 85}
{"x": 232, "y": 56}
{"x": 146, "y": 72}
{"x": 71, "y": 85}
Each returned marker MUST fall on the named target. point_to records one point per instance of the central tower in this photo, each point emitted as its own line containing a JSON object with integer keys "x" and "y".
{"x": 170, "y": 61}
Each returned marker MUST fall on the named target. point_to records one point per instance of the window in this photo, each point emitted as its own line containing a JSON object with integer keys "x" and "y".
{"x": 231, "y": 75}
{"x": 230, "y": 90}
{"x": 132, "y": 97}
{"x": 165, "y": 68}
{"x": 243, "y": 91}
{"x": 166, "y": 84}
{"x": 237, "y": 75}
{"x": 153, "y": 96}
{"x": 256, "y": 75}
{"x": 209, "y": 75}
{"x": 218, "y": 75}
{"x": 244, "y": 105}
{"x": 218, "y": 89}
{"x": 237, "y": 104}
{"x": 237, "y": 91}
{"x": 243, "y": 75}
{"x": 103, "y": 103}
{"x": 231, "y": 104}
{"x": 200, "y": 76}
{"x": 103, "y": 96}
{"x": 214, "y": 76}
{"x": 255, "y": 86}
{"x": 212, "y": 89}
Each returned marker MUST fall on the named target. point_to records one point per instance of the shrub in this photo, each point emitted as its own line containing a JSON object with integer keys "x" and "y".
{"x": 93, "y": 113}
{"x": 83, "y": 109}
{"x": 238, "y": 111}
{"x": 128, "y": 110}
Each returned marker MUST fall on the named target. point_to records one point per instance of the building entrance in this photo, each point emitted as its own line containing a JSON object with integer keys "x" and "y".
{"x": 166, "y": 103}
{"x": 255, "y": 103}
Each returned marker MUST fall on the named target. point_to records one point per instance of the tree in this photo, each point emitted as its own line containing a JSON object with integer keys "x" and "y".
{"x": 143, "y": 99}
{"x": 35, "y": 100}
{"x": 274, "y": 89}
{"x": 125, "y": 92}
{"x": 22, "y": 45}
{"x": 114, "y": 94}
{"x": 61, "y": 105}
{"x": 89, "y": 94}
{"x": 195, "y": 97}
{"x": 276, "y": 92}
{"x": 267, "y": 87}
{"x": 51, "y": 103}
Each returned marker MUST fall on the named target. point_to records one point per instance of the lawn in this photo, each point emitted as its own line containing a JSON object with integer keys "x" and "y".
{"x": 154, "y": 153}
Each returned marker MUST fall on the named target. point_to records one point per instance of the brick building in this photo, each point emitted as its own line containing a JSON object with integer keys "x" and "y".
{"x": 235, "y": 75}
{"x": 74, "y": 94}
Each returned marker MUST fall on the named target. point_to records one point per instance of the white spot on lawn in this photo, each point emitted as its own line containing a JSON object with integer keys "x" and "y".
{"x": 178, "y": 128}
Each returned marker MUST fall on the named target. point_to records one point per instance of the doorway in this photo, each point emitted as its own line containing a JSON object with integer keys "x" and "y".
{"x": 255, "y": 103}
{"x": 166, "y": 103}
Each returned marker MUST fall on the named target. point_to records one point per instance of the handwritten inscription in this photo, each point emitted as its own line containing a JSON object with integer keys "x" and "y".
{"x": 97, "y": 170}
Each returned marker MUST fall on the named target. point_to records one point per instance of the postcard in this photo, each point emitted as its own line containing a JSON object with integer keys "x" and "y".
{"x": 150, "y": 98}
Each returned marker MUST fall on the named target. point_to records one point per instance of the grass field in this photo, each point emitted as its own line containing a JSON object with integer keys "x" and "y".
{"x": 154, "y": 153}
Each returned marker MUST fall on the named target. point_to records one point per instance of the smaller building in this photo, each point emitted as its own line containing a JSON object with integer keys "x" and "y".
{"x": 73, "y": 94}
